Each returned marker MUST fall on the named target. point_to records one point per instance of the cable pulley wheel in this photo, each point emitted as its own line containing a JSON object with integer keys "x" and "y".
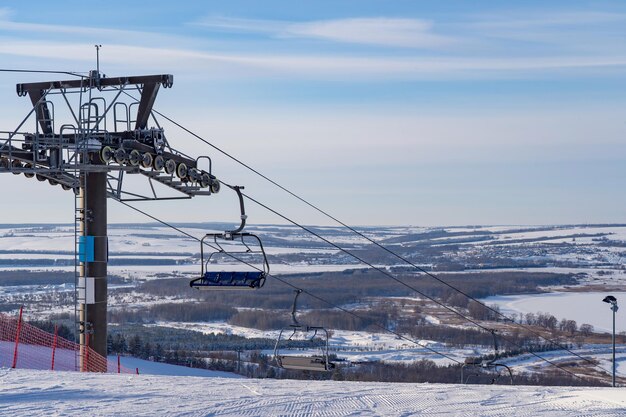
{"x": 146, "y": 160}
{"x": 170, "y": 166}
{"x": 134, "y": 158}
{"x": 191, "y": 174}
{"x": 16, "y": 164}
{"x": 66, "y": 187}
{"x": 215, "y": 186}
{"x": 106, "y": 154}
{"x": 53, "y": 181}
{"x": 29, "y": 174}
{"x": 4, "y": 164}
{"x": 40, "y": 177}
{"x": 195, "y": 175}
{"x": 205, "y": 180}
{"x": 181, "y": 170}
{"x": 120, "y": 156}
{"x": 159, "y": 163}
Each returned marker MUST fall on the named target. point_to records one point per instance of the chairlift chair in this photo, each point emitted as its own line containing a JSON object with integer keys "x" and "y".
{"x": 297, "y": 362}
{"x": 490, "y": 365}
{"x": 232, "y": 280}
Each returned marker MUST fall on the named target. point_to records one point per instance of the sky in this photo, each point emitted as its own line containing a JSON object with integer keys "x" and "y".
{"x": 422, "y": 113}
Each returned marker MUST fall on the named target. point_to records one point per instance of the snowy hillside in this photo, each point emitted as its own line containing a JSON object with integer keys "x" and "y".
{"x": 28, "y": 393}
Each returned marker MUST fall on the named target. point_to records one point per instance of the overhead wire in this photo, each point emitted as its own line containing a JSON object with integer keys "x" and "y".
{"x": 75, "y": 74}
{"x": 328, "y": 215}
{"x": 343, "y": 309}
{"x": 434, "y": 300}
{"x": 404, "y": 259}
{"x": 285, "y": 282}
{"x": 362, "y": 260}
{"x": 326, "y": 240}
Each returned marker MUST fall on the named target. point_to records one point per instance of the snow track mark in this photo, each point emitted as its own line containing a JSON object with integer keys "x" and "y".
{"x": 27, "y": 393}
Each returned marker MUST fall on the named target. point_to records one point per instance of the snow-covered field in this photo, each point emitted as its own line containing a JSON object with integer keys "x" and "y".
{"x": 603, "y": 353}
{"x": 353, "y": 346}
{"x": 584, "y": 307}
{"x": 361, "y": 346}
{"x": 28, "y": 393}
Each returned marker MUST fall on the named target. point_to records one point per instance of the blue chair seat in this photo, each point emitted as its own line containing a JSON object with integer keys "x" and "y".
{"x": 249, "y": 279}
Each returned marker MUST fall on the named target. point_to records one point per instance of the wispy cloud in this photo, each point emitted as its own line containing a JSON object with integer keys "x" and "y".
{"x": 554, "y": 19}
{"x": 551, "y": 31}
{"x": 311, "y": 65}
{"x": 379, "y": 31}
{"x": 87, "y": 33}
{"x": 475, "y": 33}
{"x": 383, "y": 31}
{"x": 130, "y": 49}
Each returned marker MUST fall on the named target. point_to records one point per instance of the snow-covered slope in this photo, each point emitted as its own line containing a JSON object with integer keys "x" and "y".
{"x": 28, "y": 393}
{"x": 157, "y": 368}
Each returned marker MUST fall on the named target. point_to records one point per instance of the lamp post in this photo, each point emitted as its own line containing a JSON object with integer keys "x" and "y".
{"x": 613, "y": 301}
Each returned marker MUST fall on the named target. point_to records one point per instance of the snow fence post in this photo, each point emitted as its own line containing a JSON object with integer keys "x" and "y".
{"x": 54, "y": 345}
{"x": 86, "y": 358}
{"x": 118, "y": 364}
{"x": 137, "y": 371}
{"x": 17, "y": 336}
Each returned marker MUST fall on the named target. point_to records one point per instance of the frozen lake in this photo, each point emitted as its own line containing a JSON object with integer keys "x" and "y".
{"x": 584, "y": 307}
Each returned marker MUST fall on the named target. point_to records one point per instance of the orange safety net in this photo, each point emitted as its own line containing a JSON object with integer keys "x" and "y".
{"x": 25, "y": 346}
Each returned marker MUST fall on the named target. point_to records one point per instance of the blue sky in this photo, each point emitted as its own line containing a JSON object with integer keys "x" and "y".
{"x": 403, "y": 112}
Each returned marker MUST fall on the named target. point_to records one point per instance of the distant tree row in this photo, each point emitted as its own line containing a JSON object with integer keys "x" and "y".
{"x": 185, "y": 312}
{"x": 353, "y": 286}
{"x": 256, "y": 365}
{"x": 48, "y": 326}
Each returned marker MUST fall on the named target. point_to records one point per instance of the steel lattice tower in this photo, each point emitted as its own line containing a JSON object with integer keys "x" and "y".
{"x": 107, "y": 140}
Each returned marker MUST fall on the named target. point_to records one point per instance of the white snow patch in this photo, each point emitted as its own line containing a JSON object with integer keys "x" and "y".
{"x": 584, "y": 307}
{"x": 28, "y": 393}
{"x": 158, "y": 368}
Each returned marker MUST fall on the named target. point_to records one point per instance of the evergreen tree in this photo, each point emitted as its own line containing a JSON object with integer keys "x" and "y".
{"x": 146, "y": 350}
{"x": 134, "y": 346}
{"x": 158, "y": 352}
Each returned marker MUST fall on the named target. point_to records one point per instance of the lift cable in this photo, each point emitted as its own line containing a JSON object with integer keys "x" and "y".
{"x": 384, "y": 272}
{"x": 75, "y": 74}
{"x": 329, "y": 242}
{"x": 369, "y": 239}
{"x": 404, "y": 259}
{"x": 342, "y": 308}
{"x": 329, "y": 303}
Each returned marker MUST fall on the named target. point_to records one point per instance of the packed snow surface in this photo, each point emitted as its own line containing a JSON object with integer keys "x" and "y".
{"x": 157, "y": 368}
{"x": 28, "y": 393}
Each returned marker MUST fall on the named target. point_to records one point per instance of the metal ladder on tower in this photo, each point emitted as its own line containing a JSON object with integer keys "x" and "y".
{"x": 79, "y": 285}
{"x": 81, "y": 217}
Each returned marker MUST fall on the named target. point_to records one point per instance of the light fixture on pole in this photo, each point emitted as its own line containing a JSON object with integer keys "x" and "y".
{"x": 613, "y": 301}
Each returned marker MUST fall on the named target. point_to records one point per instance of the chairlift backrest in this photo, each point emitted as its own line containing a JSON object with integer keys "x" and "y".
{"x": 304, "y": 363}
{"x": 477, "y": 362}
{"x": 253, "y": 278}
{"x": 299, "y": 362}
{"x": 221, "y": 280}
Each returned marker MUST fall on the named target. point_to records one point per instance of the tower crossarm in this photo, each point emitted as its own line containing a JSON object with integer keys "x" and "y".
{"x": 149, "y": 89}
{"x": 108, "y": 132}
{"x": 94, "y": 80}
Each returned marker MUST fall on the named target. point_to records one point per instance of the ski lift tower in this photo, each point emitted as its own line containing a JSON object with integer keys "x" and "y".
{"x": 107, "y": 144}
